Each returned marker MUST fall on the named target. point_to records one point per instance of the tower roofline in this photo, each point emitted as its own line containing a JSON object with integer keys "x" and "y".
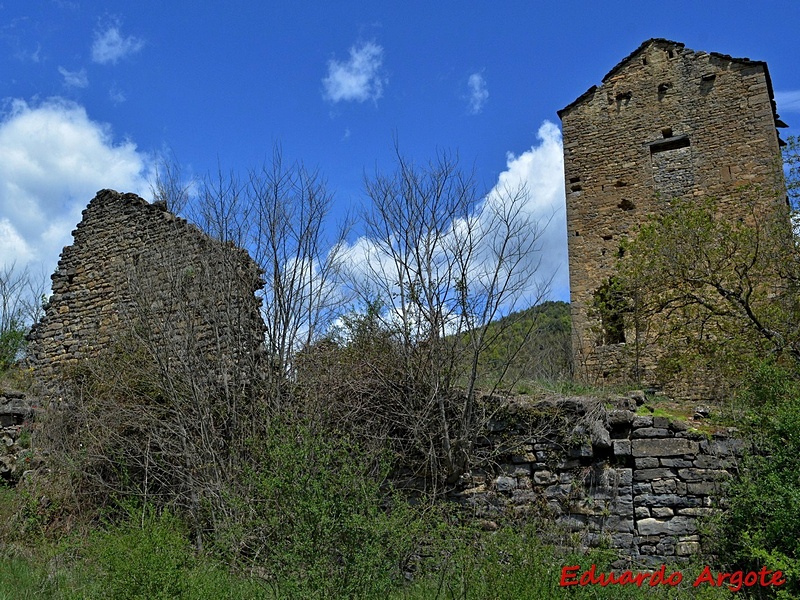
{"x": 665, "y": 42}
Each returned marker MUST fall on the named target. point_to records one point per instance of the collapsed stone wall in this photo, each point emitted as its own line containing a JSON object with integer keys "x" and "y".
{"x": 137, "y": 273}
{"x": 637, "y": 483}
{"x": 667, "y": 122}
{"x": 16, "y": 423}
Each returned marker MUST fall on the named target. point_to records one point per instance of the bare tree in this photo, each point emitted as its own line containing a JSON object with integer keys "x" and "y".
{"x": 169, "y": 187}
{"x": 21, "y": 298}
{"x": 444, "y": 261}
{"x": 298, "y": 255}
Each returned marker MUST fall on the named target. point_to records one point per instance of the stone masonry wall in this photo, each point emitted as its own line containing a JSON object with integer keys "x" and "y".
{"x": 637, "y": 483}
{"x": 136, "y": 269}
{"x": 666, "y": 122}
{"x": 16, "y": 423}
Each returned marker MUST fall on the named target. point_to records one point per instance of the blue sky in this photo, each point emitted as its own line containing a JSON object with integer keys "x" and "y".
{"x": 92, "y": 92}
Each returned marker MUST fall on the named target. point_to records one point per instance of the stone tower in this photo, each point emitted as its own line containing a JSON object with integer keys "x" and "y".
{"x": 666, "y": 122}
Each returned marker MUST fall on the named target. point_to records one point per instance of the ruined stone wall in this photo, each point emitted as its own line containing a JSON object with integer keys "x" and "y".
{"x": 667, "y": 122}
{"x": 16, "y": 424}
{"x": 137, "y": 273}
{"x": 634, "y": 482}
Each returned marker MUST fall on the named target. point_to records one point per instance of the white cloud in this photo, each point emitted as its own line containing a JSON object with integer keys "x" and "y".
{"x": 77, "y": 79}
{"x": 53, "y": 159}
{"x": 116, "y": 95}
{"x": 478, "y": 94}
{"x": 110, "y": 46}
{"x": 531, "y": 189}
{"x": 357, "y": 79}
{"x": 541, "y": 170}
{"x": 788, "y": 101}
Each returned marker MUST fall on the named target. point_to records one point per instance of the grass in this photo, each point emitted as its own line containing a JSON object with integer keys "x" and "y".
{"x": 153, "y": 559}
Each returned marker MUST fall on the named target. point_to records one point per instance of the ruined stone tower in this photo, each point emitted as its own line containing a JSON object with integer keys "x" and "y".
{"x": 666, "y": 122}
{"x": 139, "y": 279}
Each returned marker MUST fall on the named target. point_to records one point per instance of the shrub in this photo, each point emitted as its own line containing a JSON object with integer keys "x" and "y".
{"x": 316, "y": 521}
{"x": 762, "y": 524}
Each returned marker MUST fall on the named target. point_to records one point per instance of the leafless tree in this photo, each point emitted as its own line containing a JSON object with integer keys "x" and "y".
{"x": 299, "y": 257}
{"x": 443, "y": 261}
{"x": 169, "y": 186}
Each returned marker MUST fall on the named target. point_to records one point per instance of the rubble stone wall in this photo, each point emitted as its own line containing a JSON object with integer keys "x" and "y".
{"x": 16, "y": 425}
{"x": 636, "y": 483}
{"x": 134, "y": 268}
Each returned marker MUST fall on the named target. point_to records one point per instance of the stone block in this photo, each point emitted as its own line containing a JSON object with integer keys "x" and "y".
{"x": 670, "y": 500}
{"x": 573, "y": 522}
{"x": 619, "y": 418}
{"x": 706, "y": 461}
{"x": 582, "y": 451}
{"x": 663, "y": 447}
{"x": 505, "y": 483}
{"x": 557, "y": 491}
{"x": 622, "y": 447}
{"x": 665, "y": 486}
{"x": 673, "y": 526}
{"x": 648, "y": 474}
{"x": 703, "y": 475}
{"x": 697, "y": 511}
{"x": 676, "y": 462}
{"x": 544, "y": 478}
{"x": 651, "y": 432}
{"x": 687, "y": 548}
{"x": 599, "y": 435}
{"x": 661, "y": 422}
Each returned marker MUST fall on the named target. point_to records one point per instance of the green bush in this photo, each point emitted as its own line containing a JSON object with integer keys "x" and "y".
{"x": 12, "y": 341}
{"x": 148, "y": 556}
{"x": 316, "y": 521}
{"x": 762, "y": 524}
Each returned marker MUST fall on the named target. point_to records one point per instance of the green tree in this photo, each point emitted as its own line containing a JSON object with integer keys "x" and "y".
{"x": 20, "y": 305}
{"x": 715, "y": 290}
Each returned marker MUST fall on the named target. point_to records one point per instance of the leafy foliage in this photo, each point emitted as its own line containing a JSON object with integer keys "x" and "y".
{"x": 762, "y": 523}
{"x": 715, "y": 291}
{"x": 531, "y": 344}
{"x": 12, "y": 341}
{"x": 317, "y": 522}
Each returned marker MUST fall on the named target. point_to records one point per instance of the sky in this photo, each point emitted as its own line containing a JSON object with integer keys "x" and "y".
{"x": 93, "y": 93}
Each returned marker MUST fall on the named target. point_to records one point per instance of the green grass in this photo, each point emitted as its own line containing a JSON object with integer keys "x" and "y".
{"x": 153, "y": 559}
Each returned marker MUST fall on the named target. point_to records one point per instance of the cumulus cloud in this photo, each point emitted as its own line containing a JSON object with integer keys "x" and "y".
{"x": 788, "y": 101}
{"x": 110, "y": 46}
{"x": 529, "y": 191}
{"x": 478, "y": 93}
{"x": 357, "y": 79}
{"x": 53, "y": 159}
{"x": 540, "y": 170}
{"x": 76, "y": 79}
